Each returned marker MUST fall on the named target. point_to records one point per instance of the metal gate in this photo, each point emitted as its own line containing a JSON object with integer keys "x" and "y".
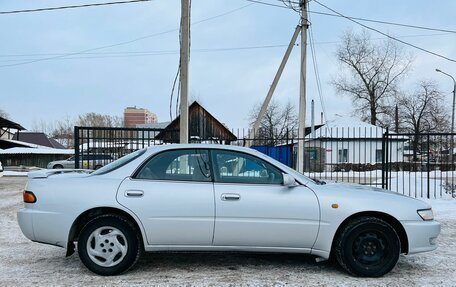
{"x": 419, "y": 165}
{"x": 98, "y": 146}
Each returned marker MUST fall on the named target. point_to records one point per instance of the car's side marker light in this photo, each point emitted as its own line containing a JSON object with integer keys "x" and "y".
{"x": 335, "y": 205}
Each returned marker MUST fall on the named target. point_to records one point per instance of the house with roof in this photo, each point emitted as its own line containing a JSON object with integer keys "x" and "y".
{"x": 8, "y": 128}
{"x": 151, "y": 129}
{"x": 30, "y": 149}
{"x": 37, "y": 138}
{"x": 202, "y": 127}
{"x": 349, "y": 144}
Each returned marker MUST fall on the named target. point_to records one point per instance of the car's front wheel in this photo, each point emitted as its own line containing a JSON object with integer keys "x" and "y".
{"x": 367, "y": 246}
{"x": 109, "y": 245}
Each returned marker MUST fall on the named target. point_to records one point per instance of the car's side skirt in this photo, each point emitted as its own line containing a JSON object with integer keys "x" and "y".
{"x": 154, "y": 248}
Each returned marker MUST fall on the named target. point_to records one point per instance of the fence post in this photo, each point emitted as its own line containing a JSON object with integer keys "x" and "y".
{"x": 76, "y": 147}
{"x": 287, "y": 150}
{"x": 428, "y": 169}
{"x": 384, "y": 160}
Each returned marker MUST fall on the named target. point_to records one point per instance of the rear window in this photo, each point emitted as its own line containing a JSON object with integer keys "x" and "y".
{"x": 119, "y": 163}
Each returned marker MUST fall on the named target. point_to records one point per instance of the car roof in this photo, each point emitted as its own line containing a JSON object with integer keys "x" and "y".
{"x": 157, "y": 148}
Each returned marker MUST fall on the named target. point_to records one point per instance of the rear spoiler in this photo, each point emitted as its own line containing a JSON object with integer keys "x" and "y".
{"x": 44, "y": 173}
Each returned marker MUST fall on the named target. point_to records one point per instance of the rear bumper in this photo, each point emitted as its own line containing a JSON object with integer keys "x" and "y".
{"x": 422, "y": 235}
{"x": 43, "y": 226}
{"x": 24, "y": 218}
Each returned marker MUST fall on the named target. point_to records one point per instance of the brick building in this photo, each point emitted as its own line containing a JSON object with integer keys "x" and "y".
{"x": 136, "y": 116}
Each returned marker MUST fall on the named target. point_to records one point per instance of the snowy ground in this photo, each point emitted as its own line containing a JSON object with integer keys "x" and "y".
{"x": 24, "y": 263}
{"x": 415, "y": 184}
{"x": 14, "y": 173}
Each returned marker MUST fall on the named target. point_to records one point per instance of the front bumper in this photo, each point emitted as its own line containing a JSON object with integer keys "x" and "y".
{"x": 422, "y": 235}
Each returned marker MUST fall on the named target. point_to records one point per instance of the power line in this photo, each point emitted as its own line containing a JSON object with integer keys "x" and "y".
{"x": 120, "y": 54}
{"x": 71, "y": 7}
{"x": 385, "y": 22}
{"x": 383, "y": 38}
{"x": 125, "y": 42}
{"x": 388, "y": 36}
{"x": 316, "y": 71}
{"x": 296, "y": 6}
{"x": 286, "y": 6}
{"x": 354, "y": 18}
{"x": 128, "y": 54}
{"x": 144, "y": 53}
{"x": 268, "y": 4}
{"x": 172, "y": 92}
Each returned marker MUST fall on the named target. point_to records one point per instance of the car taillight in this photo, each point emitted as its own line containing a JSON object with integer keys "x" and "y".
{"x": 29, "y": 197}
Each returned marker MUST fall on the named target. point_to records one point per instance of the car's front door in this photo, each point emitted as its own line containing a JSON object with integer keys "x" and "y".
{"x": 173, "y": 196}
{"x": 254, "y": 208}
{"x": 69, "y": 163}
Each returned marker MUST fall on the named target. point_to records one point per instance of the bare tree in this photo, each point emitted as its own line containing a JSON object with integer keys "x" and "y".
{"x": 422, "y": 111}
{"x": 279, "y": 122}
{"x": 99, "y": 120}
{"x": 374, "y": 73}
{"x": 4, "y": 114}
{"x": 43, "y": 127}
{"x": 63, "y": 129}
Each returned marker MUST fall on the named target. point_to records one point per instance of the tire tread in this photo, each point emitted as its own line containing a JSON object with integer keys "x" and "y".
{"x": 116, "y": 217}
{"x": 338, "y": 244}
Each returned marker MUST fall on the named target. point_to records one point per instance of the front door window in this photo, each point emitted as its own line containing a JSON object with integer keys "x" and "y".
{"x": 235, "y": 167}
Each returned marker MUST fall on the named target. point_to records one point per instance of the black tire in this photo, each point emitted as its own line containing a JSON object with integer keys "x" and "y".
{"x": 58, "y": 166}
{"x": 128, "y": 239}
{"x": 367, "y": 247}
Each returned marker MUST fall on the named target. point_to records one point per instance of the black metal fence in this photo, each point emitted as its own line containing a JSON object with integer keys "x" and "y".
{"x": 415, "y": 165}
{"x": 424, "y": 168}
{"x": 98, "y": 146}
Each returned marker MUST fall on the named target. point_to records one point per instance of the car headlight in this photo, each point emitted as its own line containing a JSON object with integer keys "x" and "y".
{"x": 426, "y": 214}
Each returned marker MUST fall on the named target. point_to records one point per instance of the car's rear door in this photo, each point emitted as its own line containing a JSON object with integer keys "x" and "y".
{"x": 173, "y": 196}
{"x": 254, "y": 208}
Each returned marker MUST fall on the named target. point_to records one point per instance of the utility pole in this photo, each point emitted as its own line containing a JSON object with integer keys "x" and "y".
{"x": 272, "y": 88}
{"x": 302, "y": 94}
{"x": 184, "y": 61}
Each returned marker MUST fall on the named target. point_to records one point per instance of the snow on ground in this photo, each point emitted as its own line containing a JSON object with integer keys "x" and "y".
{"x": 15, "y": 173}
{"x": 413, "y": 184}
{"x": 24, "y": 263}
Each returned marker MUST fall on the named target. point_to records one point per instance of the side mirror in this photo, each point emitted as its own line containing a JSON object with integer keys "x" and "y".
{"x": 288, "y": 180}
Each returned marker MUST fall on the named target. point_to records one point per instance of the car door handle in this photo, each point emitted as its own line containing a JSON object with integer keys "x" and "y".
{"x": 230, "y": 196}
{"x": 134, "y": 193}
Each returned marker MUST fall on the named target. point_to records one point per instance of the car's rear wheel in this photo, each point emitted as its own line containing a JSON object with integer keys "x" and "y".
{"x": 57, "y": 166}
{"x": 109, "y": 245}
{"x": 367, "y": 246}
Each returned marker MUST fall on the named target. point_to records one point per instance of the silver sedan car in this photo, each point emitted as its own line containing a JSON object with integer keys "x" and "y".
{"x": 87, "y": 161}
{"x": 219, "y": 198}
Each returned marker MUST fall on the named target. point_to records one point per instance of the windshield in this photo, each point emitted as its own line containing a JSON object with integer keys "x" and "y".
{"x": 120, "y": 162}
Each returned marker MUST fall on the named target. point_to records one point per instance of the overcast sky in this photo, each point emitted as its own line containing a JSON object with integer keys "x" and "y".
{"x": 226, "y": 82}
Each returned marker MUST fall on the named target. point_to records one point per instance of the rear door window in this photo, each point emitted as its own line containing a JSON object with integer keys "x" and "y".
{"x": 178, "y": 165}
